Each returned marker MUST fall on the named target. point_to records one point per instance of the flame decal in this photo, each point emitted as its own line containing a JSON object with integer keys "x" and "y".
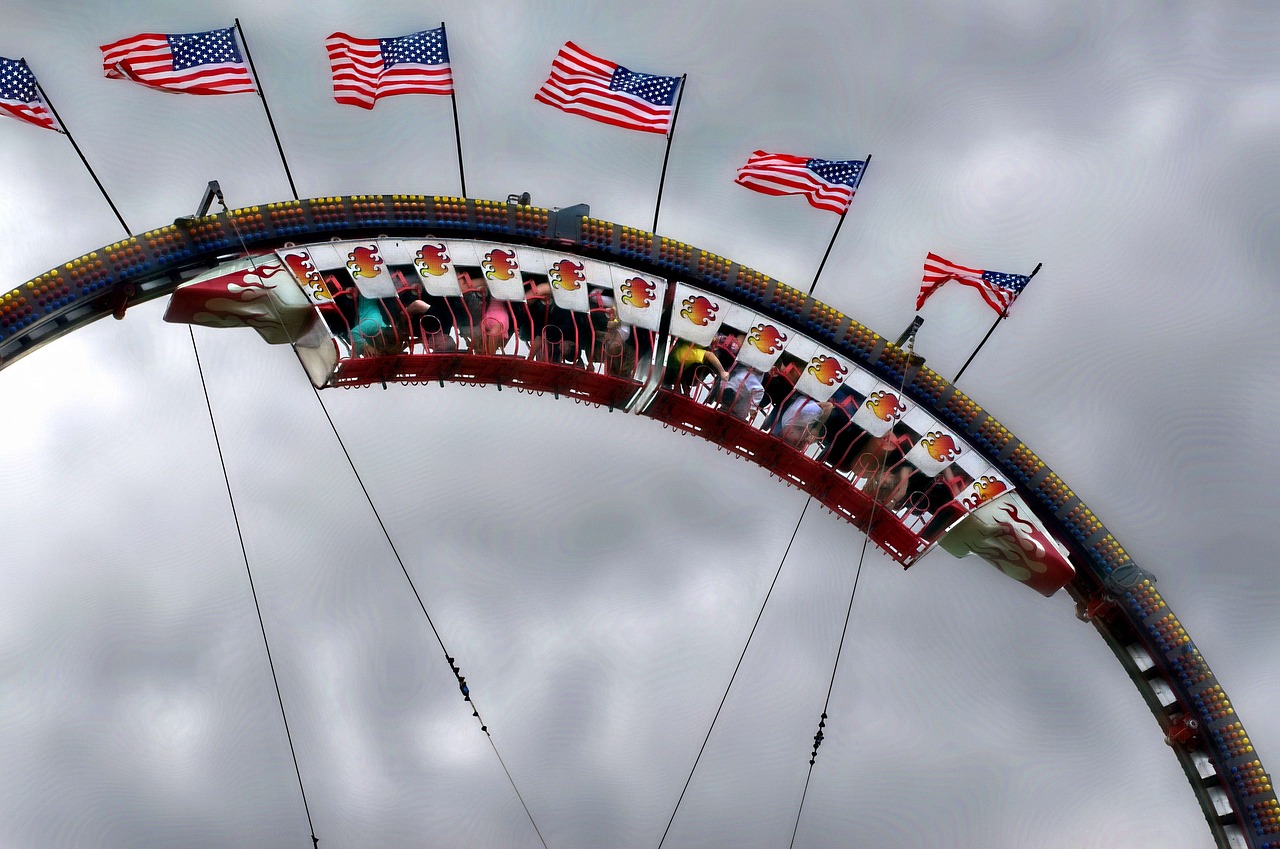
{"x": 941, "y": 446}
{"x": 828, "y": 371}
{"x": 885, "y": 405}
{"x": 365, "y": 262}
{"x": 699, "y": 310}
{"x": 308, "y": 276}
{"x": 1018, "y": 548}
{"x": 249, "y": 285}
{"x": 432, "y": 260}
{"x": 638, "y": 292}
{"x": 567, "y": 275}
{"x": 766, "y": 339}
{"x": 499, "y": 265}
{"x": 985, "y": 488}
{"x": 238, "y": 299}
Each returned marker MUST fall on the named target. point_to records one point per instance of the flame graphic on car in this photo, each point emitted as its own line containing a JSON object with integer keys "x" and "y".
{"x": 941, "y": 446}
{"x": 699, "y": 310}
{"x": 365, "y": 262}
{"x": 500, "y": 265}
{"x": 638, "y": 292}
{"x": 238, "y": 299}
{"x": 1019, "y": 548}
{"x": 885, "y": 405}
{"x": 985, "y": 488}
{"x": 766, "y": 339}
{"x": 827, "y": 370}
{"x": 308, "y": 276}
{"x": 567, "y": 275}
{"x": 431, "y": 260}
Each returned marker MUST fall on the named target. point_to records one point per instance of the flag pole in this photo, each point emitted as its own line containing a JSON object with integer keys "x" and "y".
{"x": 79, "y": 153}
{"x": 1003, "y": 315}
{"x": 257, "y": 84}
{"x": 830, "y": 245}
{"x": 675, "y": 113}
{"x": 839, "y": 223}
{"x": 453, "y": 98}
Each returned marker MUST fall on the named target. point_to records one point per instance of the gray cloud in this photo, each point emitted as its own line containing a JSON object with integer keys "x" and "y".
{"x": 595, "y": 576}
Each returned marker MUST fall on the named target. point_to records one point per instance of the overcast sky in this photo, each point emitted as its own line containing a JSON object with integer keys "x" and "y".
{"x": 595, "y": 575}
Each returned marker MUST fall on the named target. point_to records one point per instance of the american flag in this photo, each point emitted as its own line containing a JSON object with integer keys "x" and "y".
{"x": 825, "y": 183}
{"x": 186, "y": 63}
{"x": 365, "y": 69}
{"x": 604, "y": 91}
{"x": 997, "y": 289}
{"x": 19, "y": 96}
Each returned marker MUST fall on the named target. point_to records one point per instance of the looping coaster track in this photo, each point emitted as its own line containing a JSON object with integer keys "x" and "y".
{"x": 1111, "y": 592}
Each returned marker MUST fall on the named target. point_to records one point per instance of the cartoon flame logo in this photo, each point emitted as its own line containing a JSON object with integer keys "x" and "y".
{"x": 365, "y": 262}
{"x": 1018, "y": 547}
{"x": 941, "y": 447}
{"x": 766, "y": 339}
{"x": 431, "y": 260}
{"x": 699, "y": 310}
{"x": 638, "y": 292}
{"x": 499, "y": 265}
{"x": 985, "y": 488}
{"x": 308, "y": 276}
{"x": 567, "y": 275}
{"x": 885, "y": 405}
{"x": 828, "y": 371}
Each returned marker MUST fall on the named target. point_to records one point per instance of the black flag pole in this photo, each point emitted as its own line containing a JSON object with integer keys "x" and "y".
{"x": 453, "y": 98}
{"x": 79, "y": 153}
{"x": 257, "y": 83}
{"x": 866, "y": 162}
{"x": 675, "y": 113}
{"x": 1003, "y": 315}
{"x": 830, "y": 245}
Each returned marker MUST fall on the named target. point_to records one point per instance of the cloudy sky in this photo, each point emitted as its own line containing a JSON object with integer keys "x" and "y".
{"x": 595, "y": 575}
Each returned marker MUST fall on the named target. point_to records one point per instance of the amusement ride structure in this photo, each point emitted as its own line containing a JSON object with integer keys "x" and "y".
{"x": 371, "y": 289}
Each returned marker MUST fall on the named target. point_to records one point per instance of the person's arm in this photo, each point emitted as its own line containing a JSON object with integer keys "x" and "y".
{"x": 714, "y": 362}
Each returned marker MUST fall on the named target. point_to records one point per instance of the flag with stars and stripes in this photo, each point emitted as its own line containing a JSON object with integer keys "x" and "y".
{"x": 19, "y": 96}
{"x": 365, "y": 69}
{"x": 596, "y": 88}
{"x": 825, "y": 183}
{"x": 997, "y": 289}
{"x": 186, "y": 63}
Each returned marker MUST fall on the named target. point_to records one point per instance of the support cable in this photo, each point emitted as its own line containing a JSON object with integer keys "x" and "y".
{"x": 822, "y": 721}
{"x": 315, "y": 841}
{"x": 457, "y": 673}
{"x": 732, "y": 677}
{"x": 873, "y": 483}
